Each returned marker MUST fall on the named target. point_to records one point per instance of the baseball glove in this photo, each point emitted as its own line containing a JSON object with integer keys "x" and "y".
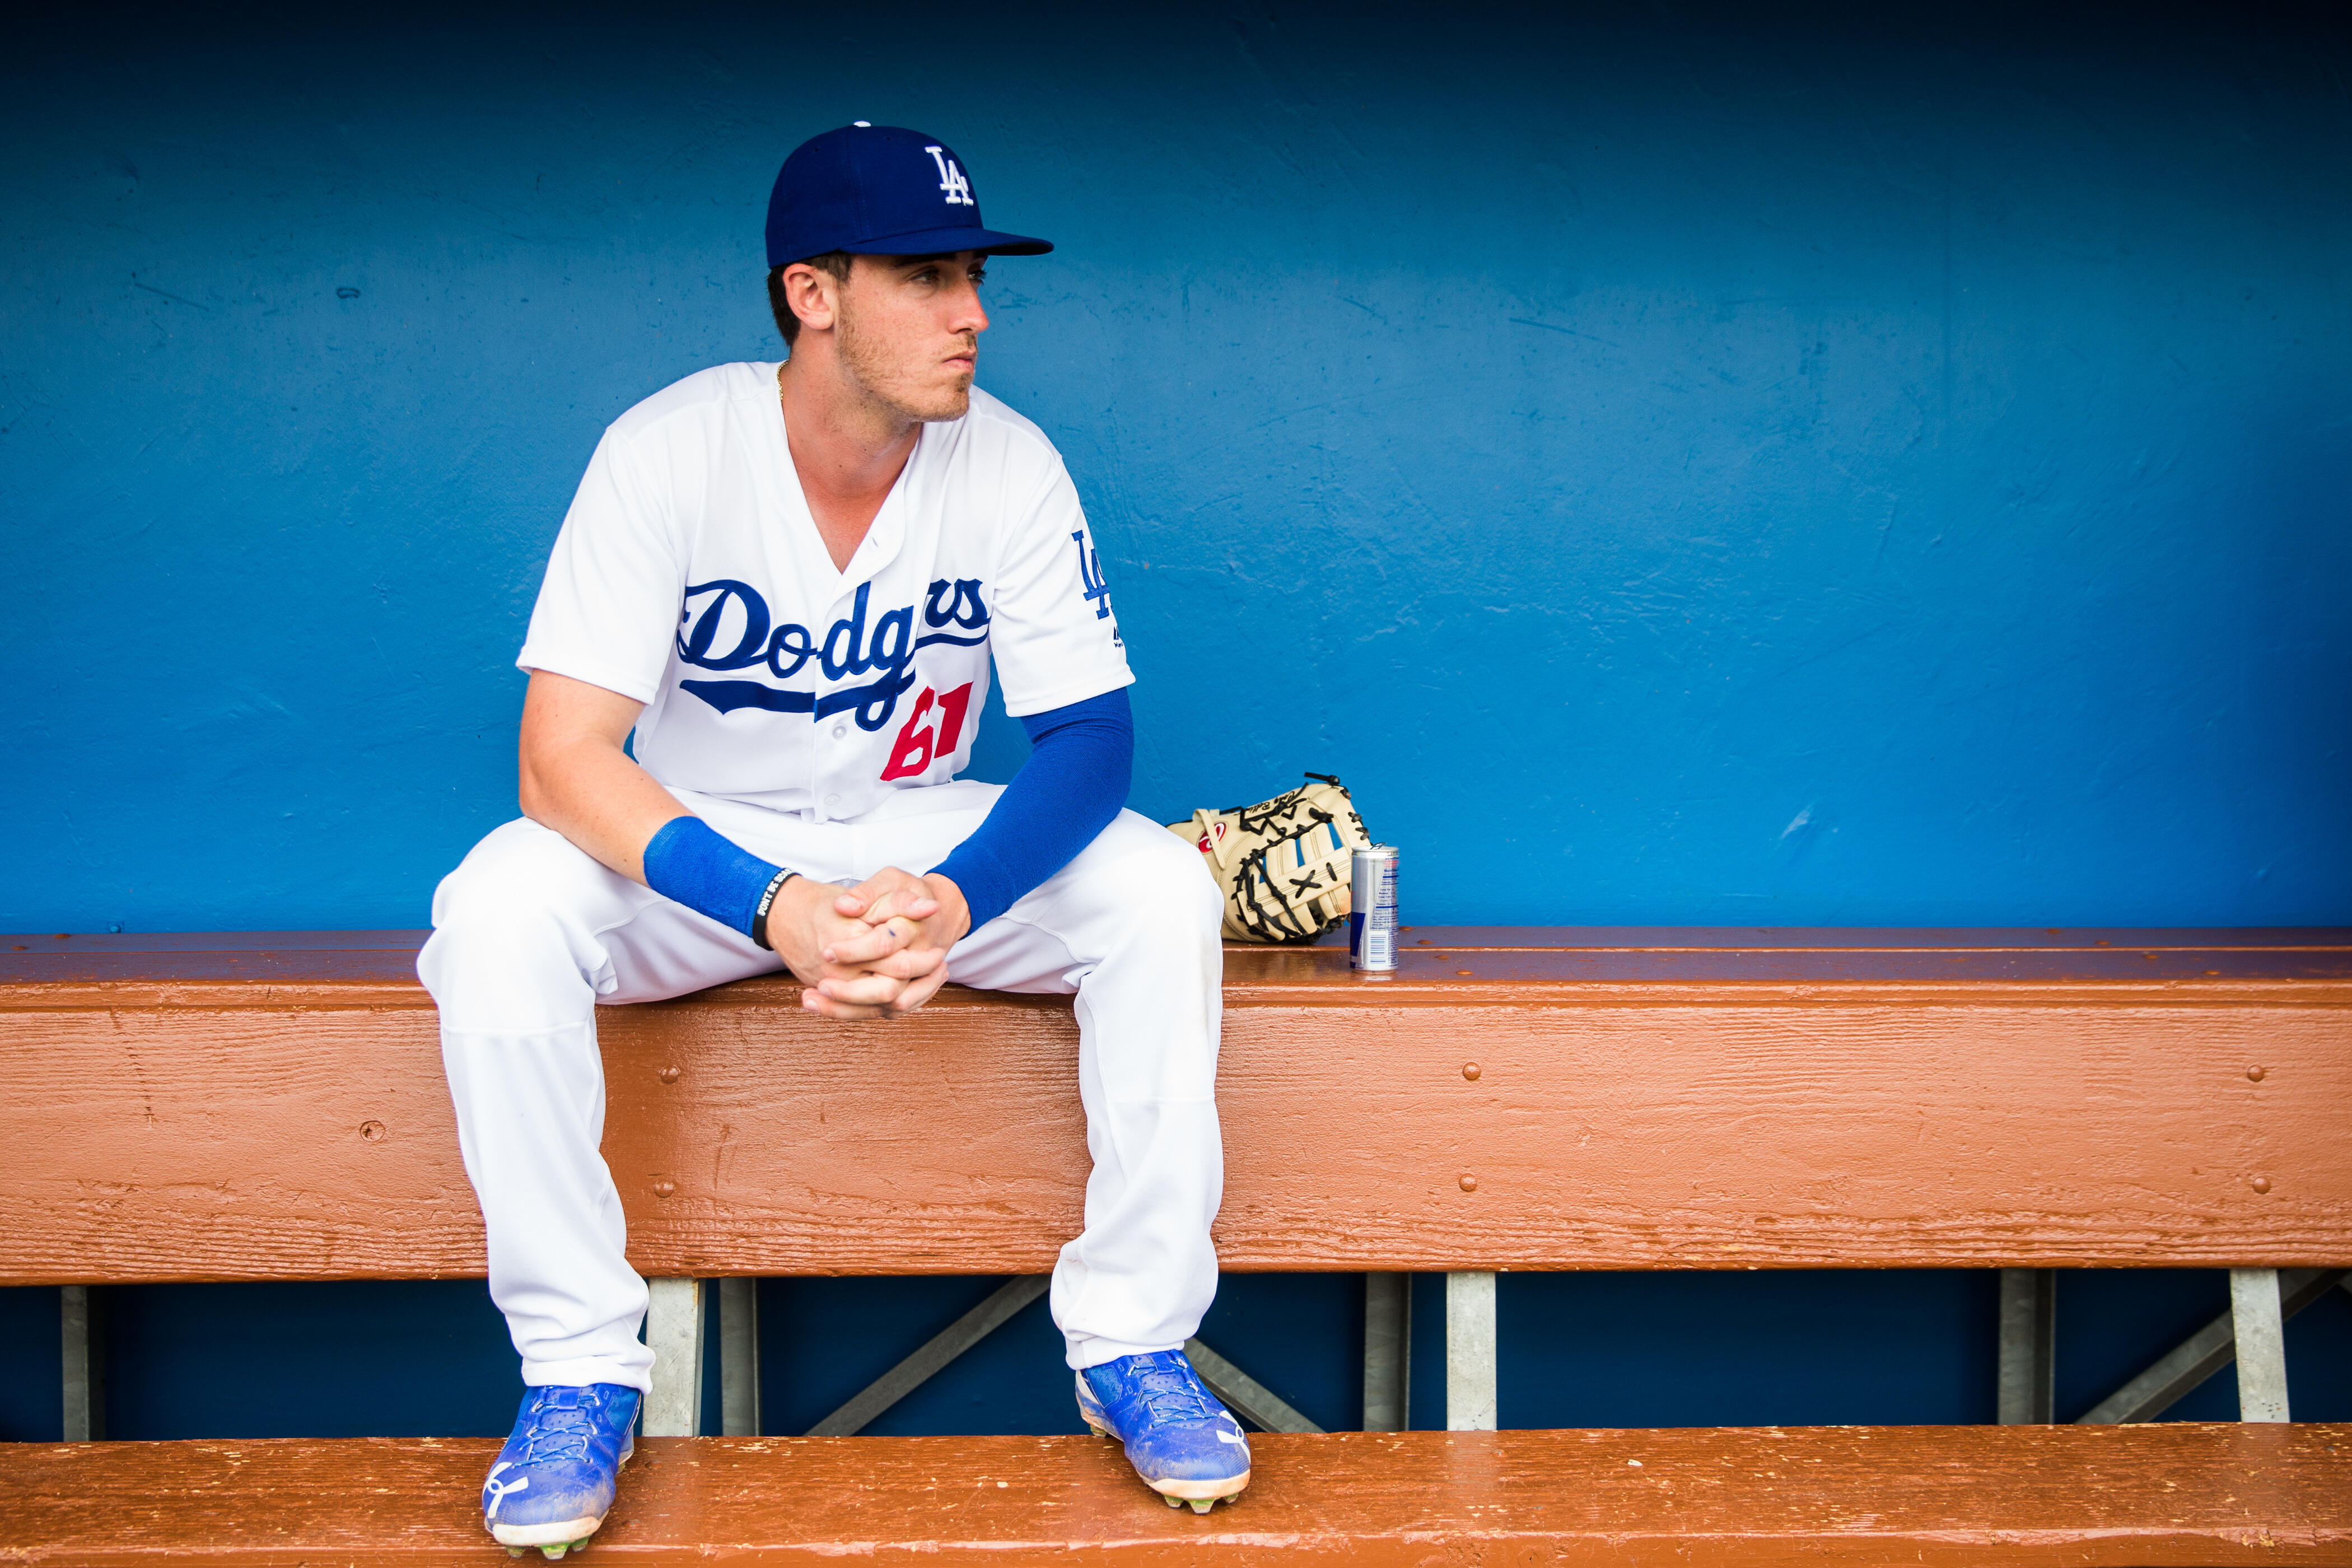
{"x": 1285, "y": 864}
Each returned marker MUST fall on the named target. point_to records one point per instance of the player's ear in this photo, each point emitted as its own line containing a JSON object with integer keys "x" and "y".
{"x": 814, "y": 294}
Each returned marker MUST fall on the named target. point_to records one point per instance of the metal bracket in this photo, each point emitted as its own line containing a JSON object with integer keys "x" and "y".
{"x": 1388, "y": 1353}
{"x": 2028, "y": 1347}
{"x": 1470, "y": 1350}
{"x": 81, "y": 1323}
{"x": 738, "y": 1358}
{"x": 674, "y": 1330}
{"x": 2258, "y": 1325}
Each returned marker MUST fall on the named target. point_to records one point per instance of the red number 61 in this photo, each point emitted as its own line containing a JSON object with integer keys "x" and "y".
{"x": 917, "y": 748}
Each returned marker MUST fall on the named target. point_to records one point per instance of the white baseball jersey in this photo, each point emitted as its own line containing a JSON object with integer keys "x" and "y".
{"x": 689, "y": 575}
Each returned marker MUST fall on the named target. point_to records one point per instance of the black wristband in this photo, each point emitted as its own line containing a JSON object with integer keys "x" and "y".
{"x": 768, "y": 901}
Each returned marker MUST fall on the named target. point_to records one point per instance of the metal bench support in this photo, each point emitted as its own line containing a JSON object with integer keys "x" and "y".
{"x": 674, "y": 1329}
{"x": 1470, "y": 1353}
{"x": 2205, "y": 1352}
{"x": 2028, "y": 1347}
{"x": 942, "y": 1348}
{"x": 738, "y": 1358}
{"x": 1245, "y": 1395}
{"x": 82, "y": 1331}
{"x": 2258, "y": 1325}
{"x": 1388, "y": 1353}
{"x": 1248, "y": 1398}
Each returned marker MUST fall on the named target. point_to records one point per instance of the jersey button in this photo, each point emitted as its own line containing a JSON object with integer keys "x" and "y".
{"x": 832, "y": 800}
{"x": 839, "y": 730}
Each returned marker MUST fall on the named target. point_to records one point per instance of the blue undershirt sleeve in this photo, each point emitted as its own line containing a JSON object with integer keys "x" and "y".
{"x": 1072, "y": 786}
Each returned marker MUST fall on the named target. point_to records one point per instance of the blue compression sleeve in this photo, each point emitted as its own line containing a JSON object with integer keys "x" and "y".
{"x": 686, "y": 859}
{"x": 1072, "y": 786}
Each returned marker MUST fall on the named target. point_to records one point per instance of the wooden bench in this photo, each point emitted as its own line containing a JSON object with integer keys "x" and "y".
{"x": 270, "y": 1107}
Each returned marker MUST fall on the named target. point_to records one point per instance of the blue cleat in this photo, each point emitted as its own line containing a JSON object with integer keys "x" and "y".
{"x": 554, "y": 1479}
{"x": 1185, "y": 1445}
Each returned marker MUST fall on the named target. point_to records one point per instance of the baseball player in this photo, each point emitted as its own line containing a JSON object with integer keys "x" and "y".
{"x": 790, "y": 581}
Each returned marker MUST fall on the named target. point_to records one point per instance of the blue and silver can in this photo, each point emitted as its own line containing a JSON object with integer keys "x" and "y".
{"x": 1372, "y": 911}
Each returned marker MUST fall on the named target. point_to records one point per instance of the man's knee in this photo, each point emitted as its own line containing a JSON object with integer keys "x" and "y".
{"x": 1160, "y": 881}
{"x": 506, "y": 915}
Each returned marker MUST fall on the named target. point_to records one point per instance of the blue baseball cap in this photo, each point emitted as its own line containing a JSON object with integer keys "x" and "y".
{"x": 879, "y": 190}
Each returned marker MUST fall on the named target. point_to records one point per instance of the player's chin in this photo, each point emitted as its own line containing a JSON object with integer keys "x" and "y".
{"x": 952, "y": 401}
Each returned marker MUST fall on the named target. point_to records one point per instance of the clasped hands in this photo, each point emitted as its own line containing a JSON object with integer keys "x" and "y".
{"x": 875, "y": 951}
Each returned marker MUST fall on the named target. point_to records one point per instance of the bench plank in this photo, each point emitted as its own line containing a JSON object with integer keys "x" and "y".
{"x": 186, "y": 967}
{"x": 199, "y": 1109}
{"x": 2173, "y": 1493}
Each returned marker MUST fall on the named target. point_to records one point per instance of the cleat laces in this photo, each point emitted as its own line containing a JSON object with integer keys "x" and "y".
{"x": 1170, "y": 1395}
{"x": 558, "y": 1432}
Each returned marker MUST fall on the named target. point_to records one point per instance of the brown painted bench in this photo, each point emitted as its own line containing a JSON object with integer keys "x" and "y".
{"x": 270, "y": 1107}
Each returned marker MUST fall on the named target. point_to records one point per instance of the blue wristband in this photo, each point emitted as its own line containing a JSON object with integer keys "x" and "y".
{"x": 690, "y": 861}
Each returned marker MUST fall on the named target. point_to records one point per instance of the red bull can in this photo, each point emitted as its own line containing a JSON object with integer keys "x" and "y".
{"x": 1372, "y": 911}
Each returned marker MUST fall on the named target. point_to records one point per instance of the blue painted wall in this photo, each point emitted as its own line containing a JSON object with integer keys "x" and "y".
{"x": 1728, "y": 470}
{"x": 1680, "y": 464}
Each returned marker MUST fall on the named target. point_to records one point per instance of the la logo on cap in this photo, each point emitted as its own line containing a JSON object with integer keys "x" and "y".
{"x": 951, "y": 179}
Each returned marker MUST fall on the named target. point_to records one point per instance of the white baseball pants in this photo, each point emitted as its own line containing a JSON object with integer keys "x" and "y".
{"x": 530, "y": 933}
